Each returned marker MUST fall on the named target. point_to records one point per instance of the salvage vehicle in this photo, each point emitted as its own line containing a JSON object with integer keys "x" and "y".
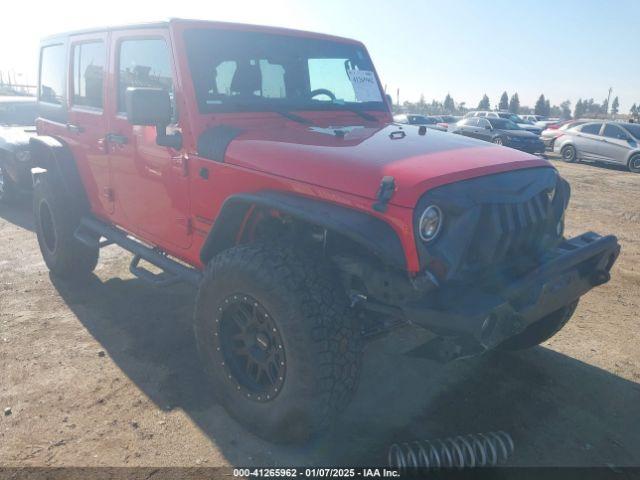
{"x": 17, "y": 125}
{"x": 263, "y": 166}
{"x": 501, "y": 132}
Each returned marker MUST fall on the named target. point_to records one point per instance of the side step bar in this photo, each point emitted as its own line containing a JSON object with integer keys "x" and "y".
{"x": 91, "y": 230}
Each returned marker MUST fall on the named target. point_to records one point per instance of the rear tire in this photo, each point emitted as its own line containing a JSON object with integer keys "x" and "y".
{"x": 298, "y": 336}
{"x": 56, "y": 217}
{"x": 634, "y": 163}
{"x": 540, "y": 331}
{"x": 569, "y": 154}
{"x": 8, "y": 189}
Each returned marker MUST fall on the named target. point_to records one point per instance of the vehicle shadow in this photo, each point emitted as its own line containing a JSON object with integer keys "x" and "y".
{"x": 560, "y": 411}
{"x": 19, "y": 212}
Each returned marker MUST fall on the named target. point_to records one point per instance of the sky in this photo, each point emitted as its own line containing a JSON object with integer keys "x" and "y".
{"x": 565, "y": 49}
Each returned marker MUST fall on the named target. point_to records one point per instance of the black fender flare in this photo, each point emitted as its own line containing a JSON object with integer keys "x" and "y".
{"x": 51, "y": 154}
{"x": 374, "y": 234}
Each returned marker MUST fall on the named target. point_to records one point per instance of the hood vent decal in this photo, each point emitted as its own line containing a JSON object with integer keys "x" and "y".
{"x": 385, "y": 192}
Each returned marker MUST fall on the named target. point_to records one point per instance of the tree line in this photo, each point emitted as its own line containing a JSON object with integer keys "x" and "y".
{"x": 586, "y": 108}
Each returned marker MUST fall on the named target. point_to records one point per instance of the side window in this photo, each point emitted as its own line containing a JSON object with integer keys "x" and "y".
{"x": 88, "y": 74}
{"x": 482, "y": 123}
{"x": 52, "y": 77}
{"x": 473, "y": 122}
{"x": 143, "y": 63}
{"x": 481, "y": 114}
{"x": 613, "y": 131}
{"x": 591, "y": 128}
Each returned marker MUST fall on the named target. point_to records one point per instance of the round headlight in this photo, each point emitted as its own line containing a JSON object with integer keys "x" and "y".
{"x": 430, "y": 223}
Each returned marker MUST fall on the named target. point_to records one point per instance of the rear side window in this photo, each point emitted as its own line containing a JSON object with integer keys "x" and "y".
{"x": 88, "y": 74}
{"x": 592, "y": 128}
{"x": 52, "y": 77}
{"x": 613, "y": 131}
{"x": 143, "y": 63}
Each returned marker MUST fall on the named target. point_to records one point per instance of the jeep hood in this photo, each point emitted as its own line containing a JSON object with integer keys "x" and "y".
{"x": 355, "y": 159}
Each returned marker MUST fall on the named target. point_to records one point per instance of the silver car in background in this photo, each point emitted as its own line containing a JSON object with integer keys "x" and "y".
{"x": 602, "y": 141}
{"x": 421, "y": 120}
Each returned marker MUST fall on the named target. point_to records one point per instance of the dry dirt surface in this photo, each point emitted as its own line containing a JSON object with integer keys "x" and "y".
{"x": 106, "y": 374}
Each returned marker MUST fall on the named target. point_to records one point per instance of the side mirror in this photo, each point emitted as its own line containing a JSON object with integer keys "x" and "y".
{"x": 152, "y": 106}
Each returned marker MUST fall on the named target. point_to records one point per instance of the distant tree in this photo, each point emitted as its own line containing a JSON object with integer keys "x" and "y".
{"x": 605, "y": 106}
{"x": 565, "y": 110}
{"x": 633, "y": 110}
{"x": 449, "y": 105}
{"x": 541, "y": 106}
{"x": 514, "y": 103}
{"x": 484, "y": 104}
{"x": 579, "y": 110}
{"x": 615, "y": 106}
{"x": 504, "y": 102}
{"x": 547, "y": 108}
{"x": 462, "y": 107}
{"x": 421, "y": 107}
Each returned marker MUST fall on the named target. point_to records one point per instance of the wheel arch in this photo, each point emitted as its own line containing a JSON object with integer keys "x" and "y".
{"x": 370, "y": 232}
{"x": 55, "y": 156}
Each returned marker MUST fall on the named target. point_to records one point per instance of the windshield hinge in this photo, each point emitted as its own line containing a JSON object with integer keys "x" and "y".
{"x": 385, "y": 192}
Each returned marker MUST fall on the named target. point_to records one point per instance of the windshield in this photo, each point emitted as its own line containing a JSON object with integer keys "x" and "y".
{"x": 254, "y": 71}
{"x": 18, "y": 113}
{"x": 503, "y": 124}
{"x": 633, "y": 130}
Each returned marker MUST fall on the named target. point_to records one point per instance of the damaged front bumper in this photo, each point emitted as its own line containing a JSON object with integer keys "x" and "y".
{"x": 480, "y": 320}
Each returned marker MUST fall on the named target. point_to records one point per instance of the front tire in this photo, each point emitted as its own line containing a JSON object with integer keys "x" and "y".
{"x": 569, "y": 154}
{"x": 276, "y": 338}
{"x": 634, "y": 163}
{"x": 56, "y": 217}
{"x": 540, "y": 331}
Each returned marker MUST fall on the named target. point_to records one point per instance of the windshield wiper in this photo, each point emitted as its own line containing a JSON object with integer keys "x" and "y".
{"x": 294, "y": 117}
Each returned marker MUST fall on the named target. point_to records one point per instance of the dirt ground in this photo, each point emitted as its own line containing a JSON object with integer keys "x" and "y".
{"x": 107, "y": 374}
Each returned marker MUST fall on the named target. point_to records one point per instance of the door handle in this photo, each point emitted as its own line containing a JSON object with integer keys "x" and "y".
{"x": 74, "y": 128}
{"x": 115, "y": 138}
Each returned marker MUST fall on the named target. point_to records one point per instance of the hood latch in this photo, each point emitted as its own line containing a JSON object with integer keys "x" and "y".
{"x": 385, "y": 192}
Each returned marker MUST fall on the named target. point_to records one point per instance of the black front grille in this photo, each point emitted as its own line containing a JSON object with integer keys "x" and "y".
{"x": 509, "y": 230}
{"x": 494, "y": 222}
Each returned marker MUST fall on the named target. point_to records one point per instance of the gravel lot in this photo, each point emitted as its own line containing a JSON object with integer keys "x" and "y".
{"x": 107, "y": 374}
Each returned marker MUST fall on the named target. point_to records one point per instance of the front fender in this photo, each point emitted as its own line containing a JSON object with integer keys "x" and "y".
{"x": 372, "y": 233}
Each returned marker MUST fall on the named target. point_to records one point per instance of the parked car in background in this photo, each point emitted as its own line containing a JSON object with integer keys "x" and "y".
{"x": 446, "y": 121}
{"x": 524, "y": 124}
{"x": 549, "y": 135}
{"x": 501, "y": 132}
{"x": 422, "y": 120}
{"x": 17, "y": 120}
{"x": 602, "y": 141}
{"x": 540, "y": 120}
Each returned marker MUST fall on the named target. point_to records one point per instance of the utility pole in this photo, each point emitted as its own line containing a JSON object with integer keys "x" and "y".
{"x": 608, "y": 99}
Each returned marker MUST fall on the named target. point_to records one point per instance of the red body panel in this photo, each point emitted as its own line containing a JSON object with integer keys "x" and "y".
{"x": 157, "y": 193}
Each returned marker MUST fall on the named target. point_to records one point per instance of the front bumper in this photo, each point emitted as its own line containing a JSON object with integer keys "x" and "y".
{"x": 484, "y": 319}
{"x": 529, "y": 147}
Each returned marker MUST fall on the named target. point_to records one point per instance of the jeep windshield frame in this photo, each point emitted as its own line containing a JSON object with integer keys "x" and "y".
{"x": 249, "y": 71}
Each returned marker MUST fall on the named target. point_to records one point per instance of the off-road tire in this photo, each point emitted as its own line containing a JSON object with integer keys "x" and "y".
{"x": 540, "y": 331}
{"x": 57, "y": 216}
{"x": 322, "y": 345}
{"x": 569, "y": 154}
{"x": 8, "y": 189}
{"x": 634, "y": 163}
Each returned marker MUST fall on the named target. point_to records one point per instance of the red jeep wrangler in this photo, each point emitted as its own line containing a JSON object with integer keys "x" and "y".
{"x": 262, "y": 165}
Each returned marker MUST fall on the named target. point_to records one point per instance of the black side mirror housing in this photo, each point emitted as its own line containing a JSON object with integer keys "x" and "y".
{"x": 152, "y": 106}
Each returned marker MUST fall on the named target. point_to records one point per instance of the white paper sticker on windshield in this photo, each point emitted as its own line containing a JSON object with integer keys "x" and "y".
{"x": 365, "y": 85}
